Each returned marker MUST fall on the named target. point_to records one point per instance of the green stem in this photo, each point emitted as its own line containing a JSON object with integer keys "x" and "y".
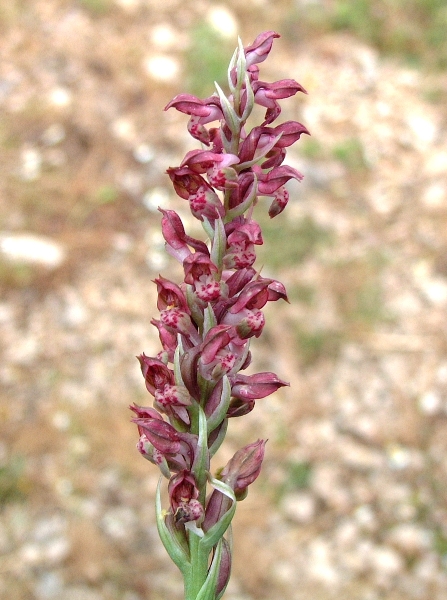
{"x": 199, "y": 568}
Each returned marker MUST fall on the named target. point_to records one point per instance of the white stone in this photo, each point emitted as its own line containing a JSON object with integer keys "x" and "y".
{"x": 386, "y": 560}
{"x": 321, "y": 563}
{"x": 223, "y": 21}
{"x": 61, "y": 420}
{"x": 410, "y": 538}
{"x": 30, "y": 248}
{"x": 60, "y": 97}
{"x": 299, "y": 507}
{"x": 430, "y": 403}
{"x": 31, "y": 164}
{"x": 119, "y": 523}
{"x": 54, "y": 134}
{"x": 144, "y": 153}
{"x": 398, "y": 457}
{"x": 164, "y": 37}
{"x": 162, "y": 67}
{"x": 155, "y": 198}
{"x": 124, "y": 129}
{"x": 435, "y": 195}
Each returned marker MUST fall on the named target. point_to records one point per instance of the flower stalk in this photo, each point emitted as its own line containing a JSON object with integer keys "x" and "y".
{"x": 207, "y": 320}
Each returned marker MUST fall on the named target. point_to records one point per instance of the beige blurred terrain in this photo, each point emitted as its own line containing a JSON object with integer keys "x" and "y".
{"x": 351, "y": 502}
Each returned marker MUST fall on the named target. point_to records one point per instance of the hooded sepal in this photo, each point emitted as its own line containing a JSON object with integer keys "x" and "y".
{"x": 225, "y": 567}
{"x": 217, "y": 437}
{"x": 218, "y": 529}
{"x": 171, "y": 538}
{"x": 218, "y": 403}
{"x": 201, "y": 464}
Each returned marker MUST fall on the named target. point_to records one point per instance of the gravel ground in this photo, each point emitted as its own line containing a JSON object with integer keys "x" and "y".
{"x": 352, "y": 500}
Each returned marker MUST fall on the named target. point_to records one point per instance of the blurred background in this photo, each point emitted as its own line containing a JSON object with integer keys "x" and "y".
{"x": 351, "y": 502}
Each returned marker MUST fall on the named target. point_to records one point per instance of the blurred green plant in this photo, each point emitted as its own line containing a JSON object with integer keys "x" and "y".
{"x": 311, "y": 148}
{"x": 106, "y": 194}
{"x": 307, "y": 238}
{"x": 16, "y": 274}
{"x": 297, "y": 476}
{"x": 350, "y": 152}
{"x": 440, "y": 543}
{"x": 358, "y": 293}
{"x": 314, "y": 344}
{"x": 412, "y": 29}
{"x": 14, "y": 485}
{"x": 298, "y": 292}
{"x": 206, "y": 59}
{"x": 97, "y": 7}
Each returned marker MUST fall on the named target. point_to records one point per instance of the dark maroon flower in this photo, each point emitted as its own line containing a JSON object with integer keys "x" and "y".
{"x": 156, "y": 374}
{"x": 215, "y": 340}
{"x": 170, "y": 295}
{"x": 178, "y": 243}
{"x": 179, "y": 321}
{"x": 258, "y": 143}
{"x": 201, "y": 111}
{"x": 266, "y": 93}
{"x": 221, "y": 352}
{"x": 290, "y": 131}
{"x": 185, "y": 181}
{"x": 182, "y": 488}
{"x": 237, "y": 280}
{"x": 145, "y": 412}
{"x": 202, "y": 161}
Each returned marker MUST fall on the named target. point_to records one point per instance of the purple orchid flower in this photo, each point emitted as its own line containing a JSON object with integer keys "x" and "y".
{"x": 209, "y": 319}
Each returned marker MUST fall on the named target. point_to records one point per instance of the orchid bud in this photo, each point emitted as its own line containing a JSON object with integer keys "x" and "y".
{"x": 251, "y": 324}
{"x": 254, "y": 387}
{"x": 244, "y": 467}
{"x": 279, "y": 203}
{"x": 161, "y": 435}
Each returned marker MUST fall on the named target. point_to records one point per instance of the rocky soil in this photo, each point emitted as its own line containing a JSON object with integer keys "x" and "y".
{"x": 352, "y": 500}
